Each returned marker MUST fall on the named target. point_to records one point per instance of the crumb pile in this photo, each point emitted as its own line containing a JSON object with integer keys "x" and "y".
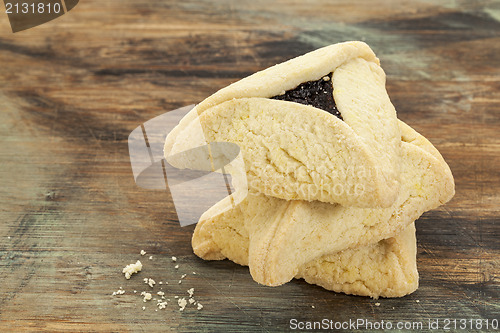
{"x": 159, "y": 296}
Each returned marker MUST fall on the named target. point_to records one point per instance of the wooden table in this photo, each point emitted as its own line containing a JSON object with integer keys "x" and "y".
{"x": 72, "y": 217}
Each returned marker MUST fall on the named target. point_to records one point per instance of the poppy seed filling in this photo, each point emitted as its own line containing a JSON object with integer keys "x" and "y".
{"x": 317, "y": 93}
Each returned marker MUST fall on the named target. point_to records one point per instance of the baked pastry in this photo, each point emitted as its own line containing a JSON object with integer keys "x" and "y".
{"x": 384, "y": 269}
{"x": 317, "y": 127}
{"x": 276, "y": 237}
{"x": 328, "y": 182}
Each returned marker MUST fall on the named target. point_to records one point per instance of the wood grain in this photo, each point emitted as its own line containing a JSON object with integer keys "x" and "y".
{"x": 72, "y": 217}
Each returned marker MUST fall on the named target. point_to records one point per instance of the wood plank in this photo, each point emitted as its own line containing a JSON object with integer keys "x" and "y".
{"x": 72, "y": 216}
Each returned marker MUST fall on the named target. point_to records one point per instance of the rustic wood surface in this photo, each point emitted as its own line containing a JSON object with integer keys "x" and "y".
{"x": 71, "y": 216}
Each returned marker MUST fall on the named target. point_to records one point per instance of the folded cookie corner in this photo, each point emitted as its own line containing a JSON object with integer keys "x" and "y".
{"x": 384, "y": 269}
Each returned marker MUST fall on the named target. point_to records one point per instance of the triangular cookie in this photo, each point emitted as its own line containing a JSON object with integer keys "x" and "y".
{"x": 277, "y": 237}
{"x": 384, "y": 269}
{"x": 295, "y": 150}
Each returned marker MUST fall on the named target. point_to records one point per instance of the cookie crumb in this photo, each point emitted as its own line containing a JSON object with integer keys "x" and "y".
{"x": 143, "y": 308}
{"x": 418, "y": 301}
{"x": 191, "y": 292}
{"x": 183, "y": 276}
{"x": 377, "y": 304}
{"x": 131, "y": 269}
{"x": 150, "y": 282}
{"x": 118, "y": 292}
{"x": 182, "y": 304}
{"x": 176, "y": 266}
{"x": 191, "y": 301}
{"x": 312, "y": 306}
{"x": 143, "y": 252}
{"x": 150, "y": 257}
{"x": 147, "y": 296}
{"x": 200, "y": 306}
{"x": 161, "y": 293}
{"x": 180, "y": 281}
{"x": 174, "y": 259}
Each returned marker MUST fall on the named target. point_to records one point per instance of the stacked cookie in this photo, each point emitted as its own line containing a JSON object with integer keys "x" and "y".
{"x": 332, "y": 180}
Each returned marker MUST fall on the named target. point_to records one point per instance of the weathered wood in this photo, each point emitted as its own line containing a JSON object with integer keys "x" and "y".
{"x": 72, "y": 217}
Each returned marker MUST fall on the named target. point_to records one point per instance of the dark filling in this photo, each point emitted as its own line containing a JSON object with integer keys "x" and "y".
{"x": 315, "y": 93}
